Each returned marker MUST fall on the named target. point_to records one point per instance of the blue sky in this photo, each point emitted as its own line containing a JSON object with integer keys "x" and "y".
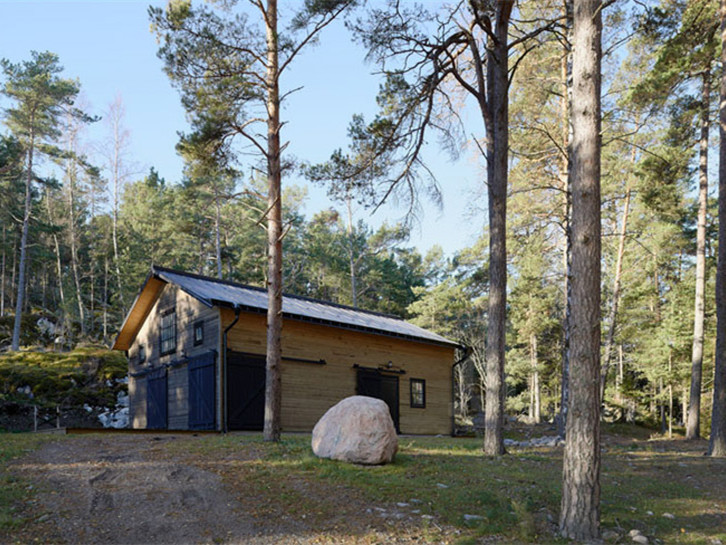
{"x": 107, "y": 45}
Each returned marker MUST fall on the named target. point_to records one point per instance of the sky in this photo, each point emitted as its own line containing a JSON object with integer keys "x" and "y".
{"x": 108, "y": 47}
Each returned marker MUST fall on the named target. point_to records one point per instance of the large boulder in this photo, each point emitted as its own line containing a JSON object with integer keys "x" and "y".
{"x": 358, "y": 429}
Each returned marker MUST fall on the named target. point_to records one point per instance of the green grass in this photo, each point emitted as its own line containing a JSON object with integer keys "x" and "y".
{"x": 504, "y": 491}
{"x": 517, "y": 495}
{"x": 13, "y": 490}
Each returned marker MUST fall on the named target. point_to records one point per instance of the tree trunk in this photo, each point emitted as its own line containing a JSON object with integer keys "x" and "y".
{"x": 717, "y": 442}
{"x": 2, "y": 284}
{"x": 497, "y": 165}
{"x": 92, "y": 300}
{"x": 613, "y": 314}
{"x": 661, "y": 407}
{"x": 44, "y": 284}
{"x": 670, "y": 393}
{"x": 71, "y": 173}
{"x": 351, "y": 256}
{"x": 619, "y": 379}
{"x": 217, "y": 234}
{"x": 693, "y": 425}
{"x": 580, "y": 516}
{"x": 59, "y": 268}
{"x": 116, "y": 114}
{"x": 15, "y": 345}
{"x": 105, "y": 298}
{"x": 230, "y": 268}
{"x": 273, "y": 392}
{"x": 565, "y": 175}
{"x": 536, "y": 405}
{"x": 530, "y": 409}
{"x": 12, "y": 290}
{"x": 13, "y": 274}
{"x": 93, "y": 254}
{"x": 61, "y": 291}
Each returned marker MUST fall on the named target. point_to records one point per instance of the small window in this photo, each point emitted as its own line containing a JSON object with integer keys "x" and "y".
{"x": 168, "y": 332}
{"x": 198, "y": 333}
{"x": 418, "y": 393}
{"x": 141, "y": 354}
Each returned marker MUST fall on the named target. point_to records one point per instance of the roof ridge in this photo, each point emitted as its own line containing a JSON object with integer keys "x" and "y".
{"x": 155, "y": 268}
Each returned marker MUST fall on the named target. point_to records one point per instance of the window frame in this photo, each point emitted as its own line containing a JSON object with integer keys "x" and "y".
{"x": 173, "y": 336}
{"x": 414, "y": 402}
{"x": 198, "y": 326}
{"x": 141, "y": 354}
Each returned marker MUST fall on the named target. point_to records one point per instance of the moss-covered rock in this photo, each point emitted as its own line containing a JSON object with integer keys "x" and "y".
{"x": 29, "y": 332}
{"x": 89, "y": 375}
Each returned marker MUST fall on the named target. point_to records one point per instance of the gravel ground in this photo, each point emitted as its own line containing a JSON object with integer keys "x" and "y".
{"x": 128, "y": 489}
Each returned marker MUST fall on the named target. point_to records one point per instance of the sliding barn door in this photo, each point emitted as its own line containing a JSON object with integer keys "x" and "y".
{"x": 245, "y": 391}
{"x": 202, "y": 375}
{"x": 156, "y": 400}
{"x": 373, "y": 383}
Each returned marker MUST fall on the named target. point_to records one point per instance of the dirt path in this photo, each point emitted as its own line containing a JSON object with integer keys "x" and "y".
{"x": 127, "y": 489}
{"x": 114, "y": 489}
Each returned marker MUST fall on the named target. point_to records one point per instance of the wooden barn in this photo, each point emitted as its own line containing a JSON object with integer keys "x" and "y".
{"x": 196, "y": 350}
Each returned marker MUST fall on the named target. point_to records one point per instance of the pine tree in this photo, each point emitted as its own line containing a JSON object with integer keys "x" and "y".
{"x": 227, "y": 74}
{"x": 466, "y": 54}
{"x": 685, "y": 33}
{"x": 580, "y": 515}
{"x": 41, "y": 98}
{"x": 717, "y": 442}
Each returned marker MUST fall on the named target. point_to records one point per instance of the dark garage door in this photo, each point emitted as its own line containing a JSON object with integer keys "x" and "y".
{"x": 201, "y": 392}
{"x": 245, "y": 391}
{"x": 373, "y": 383}
{"x": 156, "y": 406}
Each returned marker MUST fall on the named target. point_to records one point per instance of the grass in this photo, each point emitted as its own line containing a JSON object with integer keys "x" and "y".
{"x": 517, "y": 495}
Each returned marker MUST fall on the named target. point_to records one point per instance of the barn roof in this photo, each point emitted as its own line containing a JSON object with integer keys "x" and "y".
{"x": 213, "y": 292}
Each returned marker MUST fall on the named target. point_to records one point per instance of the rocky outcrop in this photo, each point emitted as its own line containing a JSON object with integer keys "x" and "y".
{"x": 536, "y": 442}
{"x": 358, "y": 429}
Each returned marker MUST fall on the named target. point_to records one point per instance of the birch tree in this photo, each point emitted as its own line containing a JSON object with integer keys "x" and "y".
{"x": 115, "y": 152}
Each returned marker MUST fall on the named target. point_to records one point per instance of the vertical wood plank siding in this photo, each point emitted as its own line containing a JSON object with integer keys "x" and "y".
{"x": 188, "y": 311}
{"x": 308, "y": 390}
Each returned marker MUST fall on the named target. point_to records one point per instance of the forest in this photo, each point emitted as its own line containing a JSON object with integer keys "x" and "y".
{"x": 80, "y": 228}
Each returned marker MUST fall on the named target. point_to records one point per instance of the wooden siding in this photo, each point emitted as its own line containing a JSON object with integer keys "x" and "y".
{"x": 308, "y": 390}
{"x": 188, "y": 312}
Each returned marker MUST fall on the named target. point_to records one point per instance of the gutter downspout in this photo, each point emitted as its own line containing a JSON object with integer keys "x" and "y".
{"x": 224, "y": 367}
{"x": 467, "y": 352}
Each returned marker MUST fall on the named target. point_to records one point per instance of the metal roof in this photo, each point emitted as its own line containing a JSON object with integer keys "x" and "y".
{"x": 213, "y": 292}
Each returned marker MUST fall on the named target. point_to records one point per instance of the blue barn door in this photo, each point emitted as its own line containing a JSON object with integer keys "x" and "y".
{"x": 201, "y": 391}
{"x": 156, "y": 403}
